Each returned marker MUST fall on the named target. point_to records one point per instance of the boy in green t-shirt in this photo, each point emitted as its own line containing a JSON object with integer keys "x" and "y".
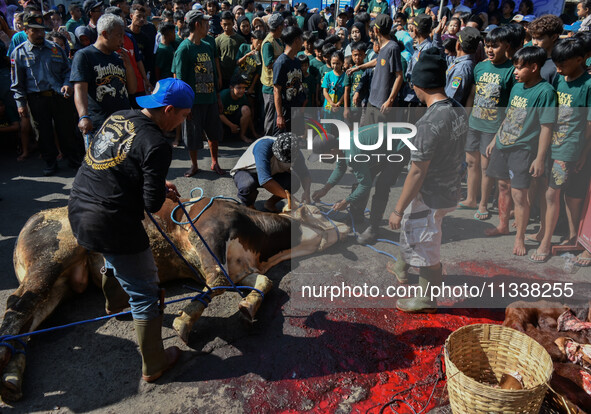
{"x": 493, "y": 80}
{"x": 165, "y": 52}
{"x": 519, "y": 150}
{"x": 236, "y": 115}
{"x": 352, "y": 81}
{"x": 570, "y": 144}
{"x": 377, "y": 7}
{"x": 227, "y": 45}
{"x": 248, "y": 62}
{"x": 317, "y": 64}
{"x": 309, "y": 81}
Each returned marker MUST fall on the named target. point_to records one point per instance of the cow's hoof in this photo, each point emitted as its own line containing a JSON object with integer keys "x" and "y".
{"x": 10, "y": 395}
{"x": 182, "y": 328}
{"x": 247, "y": 310}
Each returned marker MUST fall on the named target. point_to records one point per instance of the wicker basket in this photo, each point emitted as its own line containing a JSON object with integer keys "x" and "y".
{"x": 476, "y": 356}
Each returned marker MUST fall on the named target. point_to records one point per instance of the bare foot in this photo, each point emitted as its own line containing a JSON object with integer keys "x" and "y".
{"x": 534, "y": 237}
{"x": 246, "y": 139}
{"x": 270, "y": 206}
{"x": 216, "y": 167}
{"x": 23, "y": 156}
{"x": 191, "y": 171}
{"x": 496, "y": 232}
{"x": 519, "y": 248}
{"x": 569, "y": 242}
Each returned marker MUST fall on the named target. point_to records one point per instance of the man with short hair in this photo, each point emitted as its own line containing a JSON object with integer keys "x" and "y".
{"x": 103, "y": 79}
{"x": 227, "y": 45}
{"x": 123, "y": 5}
{"x": 271, "y": 49}
{"x": 123, "y": 175}
{"x": 93, "y": 9}
{"x": 76, "y": 18}
{"x": 432, "y": 186}
{"x": 460, "y": 74}
{"x": 41, "y": 79}
{"x": 145, "y": 47}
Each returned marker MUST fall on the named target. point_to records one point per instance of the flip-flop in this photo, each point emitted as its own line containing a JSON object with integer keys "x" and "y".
{"x": 586, "y": 261}
{"x": 544, "y": 257}
{"x": 531, "y": 241}
{"x": 479, "y": 215}
{"x": 462, "y": 206}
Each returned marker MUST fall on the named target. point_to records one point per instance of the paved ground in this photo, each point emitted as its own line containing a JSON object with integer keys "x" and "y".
{"x": 299, "y": 356}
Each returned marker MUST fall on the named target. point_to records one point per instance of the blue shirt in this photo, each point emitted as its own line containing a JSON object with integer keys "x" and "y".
{"x": 38, "y": 69}
{"x": 459, "y": 79}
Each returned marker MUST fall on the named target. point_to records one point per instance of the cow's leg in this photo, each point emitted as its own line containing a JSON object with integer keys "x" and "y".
{"x": 183, "y": 323}
{"x": 252, "y": 302}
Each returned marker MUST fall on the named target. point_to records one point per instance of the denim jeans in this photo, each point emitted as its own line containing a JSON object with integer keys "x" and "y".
{"x": 138, "y": 275}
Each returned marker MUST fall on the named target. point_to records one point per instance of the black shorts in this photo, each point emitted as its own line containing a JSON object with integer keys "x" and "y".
{"x": 478, "y": 141}
{"x": 204, "y": 118}
{"x": 578, "y": 183}
{"x": 559, "y": 173}
{"x": 511, "y": 165}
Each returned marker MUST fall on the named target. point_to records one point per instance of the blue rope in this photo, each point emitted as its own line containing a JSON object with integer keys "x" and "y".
{"x": 191, "y": 202}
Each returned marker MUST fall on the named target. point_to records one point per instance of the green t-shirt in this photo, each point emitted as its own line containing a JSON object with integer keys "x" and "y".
{"x": 251, "y": 66}
{"x": 195, "y": 64}
{"x": 300, "y": 20}
{"x": 528, "y": 109}
{"x": 316, "y": 66}
{"x": 72, "y": 25}
{"x": 417, "y": 11}
{"x": 310, "y": 84}
{"x": 227, "y": 47}
{"x": 249, "y": 16}
{"x": 164, "y": 57}
{"x": 323, "y": 70}
{"x": 209, "y": 39}
{"x": 353, "y": 81}
{"x": 574, "y": 102}
{"x": 378, "y": 7}
{"x": 231, "y": 105}
{"x": 493, "y": 87}
{"x": 364, "y": 3}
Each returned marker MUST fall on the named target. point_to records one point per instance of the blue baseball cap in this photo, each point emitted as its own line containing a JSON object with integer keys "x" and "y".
{"x": 169, "y": 91}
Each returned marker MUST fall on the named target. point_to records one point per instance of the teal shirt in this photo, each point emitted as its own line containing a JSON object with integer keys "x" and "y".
{"x": 368, "y": 135}
{"x": 574, "y": 101}
{"x": 231, "y": 105}
{"x": 528, "y": 109}
{"x": 195, "y": 64}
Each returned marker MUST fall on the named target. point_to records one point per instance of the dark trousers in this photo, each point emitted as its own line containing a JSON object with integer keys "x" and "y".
{"x": 384, "y": 175}
{"x": 47, "y": 110}
{"x": 248, "y": 184}
{"x": 271, "y": 128}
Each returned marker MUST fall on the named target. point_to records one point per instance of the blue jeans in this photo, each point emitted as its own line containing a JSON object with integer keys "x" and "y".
{"x": 248, "y": 185}
{"x": 138, "y": 275}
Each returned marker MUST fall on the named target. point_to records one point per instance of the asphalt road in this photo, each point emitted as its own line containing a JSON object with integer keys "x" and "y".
{"x": 230, "y": 365}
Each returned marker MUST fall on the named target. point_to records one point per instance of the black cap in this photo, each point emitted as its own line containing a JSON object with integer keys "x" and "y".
{"x": 429, "y": 71}
{"x": 383, "y": 22}
{"x": 469, "y": 39}
{"x": 194, "y": 15}
{"x": 302, "y": 7}
{"x": 423, "y": 22}
{"x": 34, "y": 21}
{"x": 91, "y": 4}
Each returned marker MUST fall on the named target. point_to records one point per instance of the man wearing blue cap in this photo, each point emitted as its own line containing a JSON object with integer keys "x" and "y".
{"x": 123, "y": 174}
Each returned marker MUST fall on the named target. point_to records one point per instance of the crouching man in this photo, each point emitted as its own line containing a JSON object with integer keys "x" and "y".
{"x": 268, "y": 163}
{"x": 123, "y": 174}
{"x": 432, "y": 186}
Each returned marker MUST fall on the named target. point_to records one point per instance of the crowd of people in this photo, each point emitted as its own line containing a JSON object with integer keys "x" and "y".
{"x": 522, "y": 78}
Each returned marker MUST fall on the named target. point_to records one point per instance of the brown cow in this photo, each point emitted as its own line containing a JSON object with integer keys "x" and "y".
{"x": 539, "y": 320}
{"x": 50, "y": 265}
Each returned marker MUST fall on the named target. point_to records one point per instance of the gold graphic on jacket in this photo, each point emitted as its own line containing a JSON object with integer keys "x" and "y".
{"x": 111, "y": 144}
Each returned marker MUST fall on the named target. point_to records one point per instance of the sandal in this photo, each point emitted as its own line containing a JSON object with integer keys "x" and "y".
{"x": 479, "y": 215}
{"x": 583, "y": 261}
{"x": 462, "y": 206}
{"x": 539, "y": 257}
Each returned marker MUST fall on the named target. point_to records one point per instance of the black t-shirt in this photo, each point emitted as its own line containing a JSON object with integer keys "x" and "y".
{"x": 441, "y": 136}
{"x": 384, "y": 74}
{"x": 287, "y": 73}
{"x": 145, "y": 43}
{"x": 105, "y": 75}
{"x": 123, "y": 173}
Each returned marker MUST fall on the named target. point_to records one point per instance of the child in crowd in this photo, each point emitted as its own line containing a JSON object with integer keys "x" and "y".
{"x": 348, "y": 63}
{"x": 327, "y": 51}
{"x": 309, "y": 39}
{"x": 493, "y": 81}
{"x": 333, "y": 83}
{"x": 519, "y": 150}
{"x": 309, "y": 81}
{"x": 165, "y": 52}
{"x": 317, "y": 64}
{"x": 507, "y": 8}
{"x": 570, "y": 145}
{"x": 584, "y": 14}
{"x": 248, "y": 61}
{"x": 227, "y": 45}
{"x": 236, "y": 116}
{"x": 449, "y": 47}
{"x": 453, "y": 27}
{"x": 352, "y": 81}
{"x": 545, "y": 31}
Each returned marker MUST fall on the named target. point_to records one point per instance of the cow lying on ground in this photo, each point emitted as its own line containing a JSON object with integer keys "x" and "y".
{"x": 540, "y": 321}
{"x": 50, "y": 265}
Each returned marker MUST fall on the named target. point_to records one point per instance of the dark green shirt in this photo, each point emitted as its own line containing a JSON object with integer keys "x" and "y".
{"x": 195, "y": 64}
{"x": 378, "y": 7}
{"x": 574, "y": 100}
{"x": 353, "y": 82}
{"x": 231, "y": 105}
{"x": 164, "y": 58}
{"x": 251, "y": 66}
{"x": 528, "y": 109}
{"x": 310, "y": 84}
{"x": 227, "y": 48}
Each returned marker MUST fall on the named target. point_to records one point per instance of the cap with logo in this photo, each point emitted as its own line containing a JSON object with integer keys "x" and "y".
{"x": 194, "y": 15}
{"x": 169, "y": 91}
{"x": 34, "y": 21}
{"x": 275, "y": 21}
{"x": 383, "y": 21}
{"x": 469, "y": 38}
{"x": 423, "y": 22}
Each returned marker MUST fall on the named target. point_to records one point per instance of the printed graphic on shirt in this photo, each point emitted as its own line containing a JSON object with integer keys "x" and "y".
{"x": 204, "y": 74}
{"x": 294, "y": 84}
{"x": 516, "y": 115}
{"x": 111, "y": 144}
{"x": 106, "y": 77}
{"x": 565, "y": 114}
{"x": 486, "y": 99}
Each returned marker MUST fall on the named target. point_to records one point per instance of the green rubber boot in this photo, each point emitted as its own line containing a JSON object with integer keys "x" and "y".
{"x": 420, "y": 304}
{"x": 399, "y": 268}
{"x": 116, "y": 300}
{"x": 155, "y": 360}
